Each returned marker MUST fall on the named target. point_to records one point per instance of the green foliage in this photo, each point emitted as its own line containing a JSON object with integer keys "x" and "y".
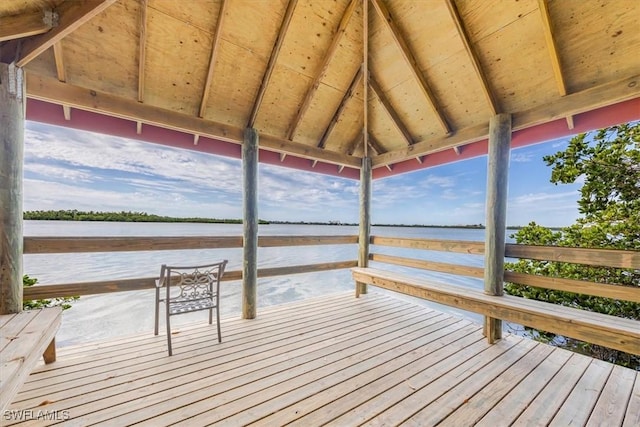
{"x": 608, "y": 164}
{"x": 64, "y": 302}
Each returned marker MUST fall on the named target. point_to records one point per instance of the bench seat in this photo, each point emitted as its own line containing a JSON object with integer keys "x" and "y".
{"x": 609, "y": 331}
{"x": 24, "y": 337}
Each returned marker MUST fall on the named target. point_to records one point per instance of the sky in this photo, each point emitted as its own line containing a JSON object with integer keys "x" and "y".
{"x": 70, "y": 169}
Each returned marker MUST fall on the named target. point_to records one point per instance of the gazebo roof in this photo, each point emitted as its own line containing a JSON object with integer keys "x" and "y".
{"x": 194, "y": 74}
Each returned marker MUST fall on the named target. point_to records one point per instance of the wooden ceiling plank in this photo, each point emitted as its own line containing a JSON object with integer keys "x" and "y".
{"x": 395, "y": 118}
{"x": 390, "y": 24}
{"x": 272, "y": 62}
{"x": 464, "y": 36}
{"x": 51, "y": 90}
{"x": 553, "y": 53}
{"x": 357, "y": 79}
{"x": 142, "y": 49}
{"x": 72, "y": 14}
{"x": 335, "y": 43}
{"x": 27, "y": 24}
{"x": 568, "y": 105}
{"x": 212, "y": 59}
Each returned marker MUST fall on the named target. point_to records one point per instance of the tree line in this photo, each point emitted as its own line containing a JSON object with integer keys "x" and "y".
{"x": 123, "y": 216}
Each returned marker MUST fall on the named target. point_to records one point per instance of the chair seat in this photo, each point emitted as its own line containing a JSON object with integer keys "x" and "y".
{"x": 187, "y": 305}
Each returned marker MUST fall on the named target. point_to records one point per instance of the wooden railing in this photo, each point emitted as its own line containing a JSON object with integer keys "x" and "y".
{"x": 55, "y": 245}
{"x": 595, "y": 257}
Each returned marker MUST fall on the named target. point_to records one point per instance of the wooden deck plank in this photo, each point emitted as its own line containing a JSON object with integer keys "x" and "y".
{"x": 462, "y": 392}
{"x": 336, "y": 360}
{"x": 322, "y": 408}
{"x": 510, "y": 407}
{"x": 632, "y": 417}
{"x": 158, "y": 349}
{"x": 578, "y": 406}
{"x": 249, "y": 349}
{"x": 614, "y": 398}
{"x": 298, "y": 372}
{"x": 475, "y": 407}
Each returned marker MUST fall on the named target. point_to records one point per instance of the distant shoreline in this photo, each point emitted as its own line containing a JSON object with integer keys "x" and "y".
{"x": 75, "y": 215}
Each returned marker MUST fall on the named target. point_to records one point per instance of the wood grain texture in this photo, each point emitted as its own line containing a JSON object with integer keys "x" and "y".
{"x": 365, "y": 221}
{"x": 250, "y": 224}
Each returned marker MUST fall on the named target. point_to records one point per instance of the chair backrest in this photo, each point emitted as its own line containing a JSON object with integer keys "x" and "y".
{"x": 192, "y": 282}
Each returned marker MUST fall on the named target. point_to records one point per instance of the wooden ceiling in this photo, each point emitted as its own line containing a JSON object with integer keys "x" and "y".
{"x": 195, "y": 73}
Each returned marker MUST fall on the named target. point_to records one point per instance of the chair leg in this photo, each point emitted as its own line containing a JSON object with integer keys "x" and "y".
{"x": 169, "y": 336}
{"x": 157, "y": 310}
{"x": 218, "y": 324}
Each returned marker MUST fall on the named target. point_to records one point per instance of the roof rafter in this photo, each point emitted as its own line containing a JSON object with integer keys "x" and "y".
{"x": 335, "y": 43}
{"x": 395, "y": 118}
{"x": 142, "y": 49}
{"x": 355, "y": 144}
{"x": 27, "y": 24}
{"x": 464, "y": 36}
{"x": 553, "y": 52}
{"x": 51, "y": 90}
{"x": 357, "y": 79}
{"x": 390, "y": 23}
{"x": 571, "y": 104}
{"x": 61, "y": 72}
{"x": 72, "y": 14}
{"x": 272, "y": 62}
{"x": 212, "y": 59}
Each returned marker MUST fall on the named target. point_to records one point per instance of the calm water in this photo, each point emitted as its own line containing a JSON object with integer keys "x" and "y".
{"x": 100, "y": 316}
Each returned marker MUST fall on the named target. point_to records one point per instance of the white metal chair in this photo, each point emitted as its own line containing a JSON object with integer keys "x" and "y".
{"x": 189, "y": 289}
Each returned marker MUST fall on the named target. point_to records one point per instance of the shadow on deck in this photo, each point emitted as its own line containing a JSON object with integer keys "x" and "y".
{"x": 336, "y": 360}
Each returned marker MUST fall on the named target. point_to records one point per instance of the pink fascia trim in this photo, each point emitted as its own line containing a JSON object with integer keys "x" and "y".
{"x": 623, "y": 112}
{"x": 45, "y": 112}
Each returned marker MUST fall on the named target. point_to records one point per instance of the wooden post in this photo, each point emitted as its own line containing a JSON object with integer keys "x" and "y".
{"x": 497, "y": 188}
{"x": 250, "y": 229}
{"x": 12, "y": 116}
{"x": 365, "y": 220}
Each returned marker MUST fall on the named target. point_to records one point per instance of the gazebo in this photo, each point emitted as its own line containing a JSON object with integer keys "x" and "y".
{"x": 362, "y": 89}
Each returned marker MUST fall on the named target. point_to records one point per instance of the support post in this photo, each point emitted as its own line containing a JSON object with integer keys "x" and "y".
{"x": 250, "y": 229}
{"x": 12, "y": 116}
{"x": 365, "y": 220}
{"x": 496, "y": 208}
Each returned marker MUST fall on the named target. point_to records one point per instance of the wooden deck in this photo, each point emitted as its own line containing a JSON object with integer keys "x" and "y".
{"x": 336, "y": 360}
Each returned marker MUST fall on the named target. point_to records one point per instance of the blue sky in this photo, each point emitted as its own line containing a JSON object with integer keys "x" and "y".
{"x": 69, "y": 169}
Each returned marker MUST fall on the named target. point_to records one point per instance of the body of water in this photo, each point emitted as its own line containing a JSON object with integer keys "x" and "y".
{"x": 97, "y": 317}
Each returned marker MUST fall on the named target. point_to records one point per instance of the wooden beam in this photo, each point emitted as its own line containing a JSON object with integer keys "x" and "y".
{"x": 58, "y": 56}
{"x": 365, "y": 94}
{"x": 357, "y": 79}
{"x": 196, "y": 138}
{"x": 212, "y": 58}
{"x": 340, "y": 169}
{"x": 12, "y": 120}
{"x": 496, "y": 220}
{"x": 395, "y": 118}
{"x": 250, "y": 227}
{"x": 139, "y": 128}
{"x": 390, "y": 23}
{"x": 553, "y": 52}
{"x": 27, "y": 24}
{"x": 72, "y": 14}
{"x": 282, "y": 157}
{"x": 456, "y": 149}
{"x": 364, "y": 229}
{"x": 315, "y": 84}
{"x": 475, "y": 61}
{"x": 272, "y": 62}
{"x": 375, "y": 145}
{"x": 142, "y": 49}
{"x": 51, "y": 90}
{"x": 571, "y": 104}
{"x": 355, "y": 144}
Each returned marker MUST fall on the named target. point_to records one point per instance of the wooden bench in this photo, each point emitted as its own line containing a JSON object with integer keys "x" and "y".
{"x": 609, "y": 331}
{"x": 23, "y": 338}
